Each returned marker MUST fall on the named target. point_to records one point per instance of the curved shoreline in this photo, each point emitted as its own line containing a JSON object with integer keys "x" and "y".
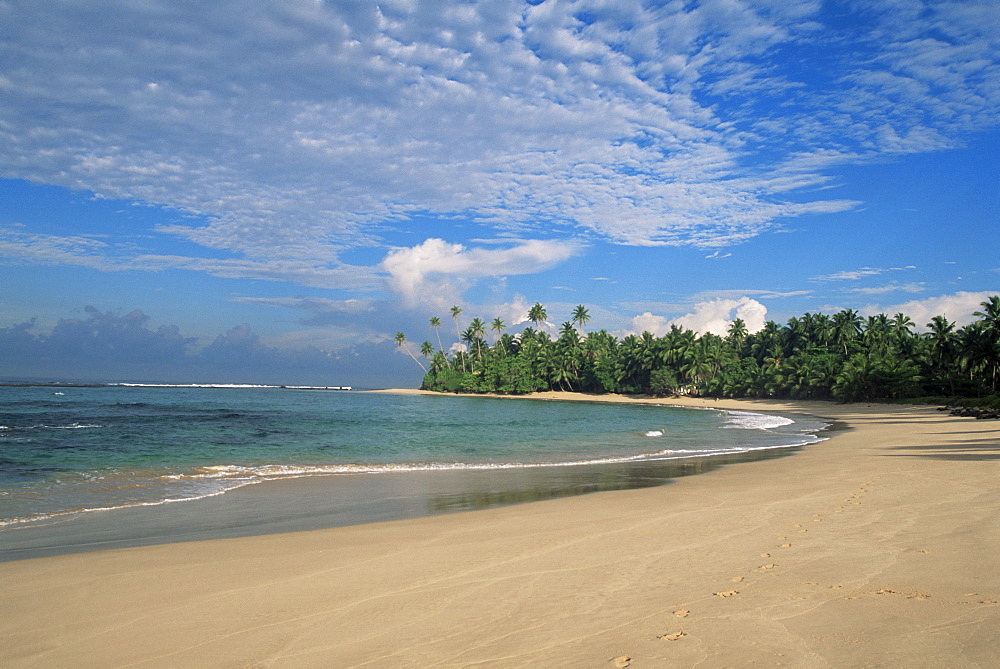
{"x": 12, "y": 545}
{"x": 388, "y": 492}
{"x": 876, "y": 547}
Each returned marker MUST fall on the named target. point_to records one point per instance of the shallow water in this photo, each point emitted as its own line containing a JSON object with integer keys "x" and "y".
{"x": 68, "y": 451}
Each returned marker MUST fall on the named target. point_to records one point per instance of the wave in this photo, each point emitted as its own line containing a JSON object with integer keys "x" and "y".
{"x": 272, "y": 471}
{"x": 69, "y": 514}
{"x": 225, "y": 385}
{"x": 746, "y": 420}
{"x": 71, "y": 426}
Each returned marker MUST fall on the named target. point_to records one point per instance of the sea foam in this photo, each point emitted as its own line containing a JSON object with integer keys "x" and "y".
{"x": 746, "y": 420}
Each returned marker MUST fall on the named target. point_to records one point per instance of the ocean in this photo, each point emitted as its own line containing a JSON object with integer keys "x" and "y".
{"x": 75, "y": 453}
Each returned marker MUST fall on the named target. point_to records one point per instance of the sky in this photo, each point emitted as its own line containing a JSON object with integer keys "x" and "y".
{"x": 268, "y": 192}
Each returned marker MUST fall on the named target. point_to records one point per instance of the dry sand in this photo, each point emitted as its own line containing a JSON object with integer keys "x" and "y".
{"x": 879, "y": 547}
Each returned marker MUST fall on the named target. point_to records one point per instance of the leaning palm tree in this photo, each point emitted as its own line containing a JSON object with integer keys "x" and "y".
{"x": 400, "y": 340}
{"x": 427, "y": 350}
{"x": 455, "y": 311}
{"x": 436, "y": 324}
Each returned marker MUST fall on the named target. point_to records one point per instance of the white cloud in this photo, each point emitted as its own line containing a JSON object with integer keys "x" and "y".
{"x": 436, "y": 272}
{"x": 860, "y": 273}
{"x": 295, "y": 129}
{"x": 649, "y": 322}
{"x": 957, "y": 307}
{"x": 850, "y": 275}
{"x": 716, "y": 316}
{"x": 889, "y": 288}
{"x": 713, "y": 316}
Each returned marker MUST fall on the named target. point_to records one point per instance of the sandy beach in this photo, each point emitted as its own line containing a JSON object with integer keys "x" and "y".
{"x": 877, "y": 547}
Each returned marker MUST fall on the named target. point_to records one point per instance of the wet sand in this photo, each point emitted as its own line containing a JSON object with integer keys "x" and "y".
{"x": 877, "y": 547}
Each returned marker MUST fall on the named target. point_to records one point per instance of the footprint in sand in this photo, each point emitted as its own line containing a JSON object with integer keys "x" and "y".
{"x": 784, "y": 545}
{"x": 727, "y": 593}
{"x": 765, "y": 567}
{"x": 622, "y": 661}
{"x": 736, "y": 579}
{"x": 673, "y": 636}
{"x": 765, "y": 555}
{"x": 682, "y": 613}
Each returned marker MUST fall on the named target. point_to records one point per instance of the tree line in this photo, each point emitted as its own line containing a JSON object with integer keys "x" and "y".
{"x": 816, "y": 356}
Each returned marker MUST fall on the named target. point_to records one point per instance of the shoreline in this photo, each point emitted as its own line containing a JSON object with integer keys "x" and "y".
{"x": 318, "y": 501}
{"x": 877, "y": 546}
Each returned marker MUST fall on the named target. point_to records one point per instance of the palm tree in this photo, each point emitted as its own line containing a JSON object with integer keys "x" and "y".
{"x": 436, "y": 324}
{"x": 901, "y": 327}
{"x": 902, "y": 323}
{"x": 400, "y": 340}
{"x": 581, "y": 316}
{"x": 427, "y": 350}
{"x": 847, "y": 325}
{"x": 478, "y": 328}
{"x": 455, "y": 311}
{"x": 498, "y": 326}
{"x": 990, "y": 316}
{"x": 942, "y": 336}
{"x": 468, "y": 337}
{"x": 990, "y": 313}
{"x": 737, "y": 334}
{"x": 537, "y": 315}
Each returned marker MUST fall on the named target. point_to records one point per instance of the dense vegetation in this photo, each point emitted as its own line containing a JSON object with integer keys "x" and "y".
{"x": 843, "y": 357}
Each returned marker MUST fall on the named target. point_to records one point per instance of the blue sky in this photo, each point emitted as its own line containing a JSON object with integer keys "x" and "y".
{"x": 245, "y": 191}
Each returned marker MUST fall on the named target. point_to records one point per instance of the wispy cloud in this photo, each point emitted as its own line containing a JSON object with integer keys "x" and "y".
{"x": 889, "y": 288}
{"x": 860, "y": 273}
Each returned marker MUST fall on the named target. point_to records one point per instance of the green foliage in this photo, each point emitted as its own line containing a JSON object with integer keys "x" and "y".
{"x": 843, "y": 357}
{"x": 663, "y": 381}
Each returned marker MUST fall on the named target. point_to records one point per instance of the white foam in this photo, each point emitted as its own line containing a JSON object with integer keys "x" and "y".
{"x": 655, "y": 433}
{"x": 746, "y": 420}
{"x": 70, "y": 513}
{"x": 225, "y": 385}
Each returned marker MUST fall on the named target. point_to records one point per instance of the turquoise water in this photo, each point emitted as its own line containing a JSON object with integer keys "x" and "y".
{"x": 70, "y": 450}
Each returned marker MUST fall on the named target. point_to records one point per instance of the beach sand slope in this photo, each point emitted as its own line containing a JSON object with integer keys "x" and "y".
{"x": 878, "y": 547}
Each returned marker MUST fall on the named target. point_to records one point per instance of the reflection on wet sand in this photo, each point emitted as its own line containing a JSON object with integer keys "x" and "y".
{"x": 535, "y": 485}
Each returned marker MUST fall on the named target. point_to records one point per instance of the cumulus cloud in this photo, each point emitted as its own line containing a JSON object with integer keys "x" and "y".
{"x": 436, "y": 272}
{"x": 957, "y": 307}
{"x": 649, "y": 322}
{"x": 714, "y": 316}
{"x": 295, "y": 130}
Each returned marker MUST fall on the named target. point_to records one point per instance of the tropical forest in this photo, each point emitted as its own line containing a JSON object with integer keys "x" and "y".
{"x": 843, "y": 356}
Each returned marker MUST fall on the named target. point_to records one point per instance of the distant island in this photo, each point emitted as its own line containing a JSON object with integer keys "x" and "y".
{"x": 842, "y": 357}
